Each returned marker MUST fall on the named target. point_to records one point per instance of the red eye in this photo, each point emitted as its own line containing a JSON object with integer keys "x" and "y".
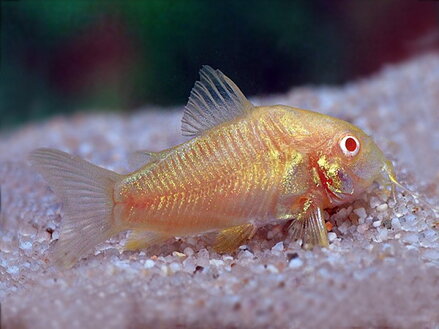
{"x": 350, "y": 145}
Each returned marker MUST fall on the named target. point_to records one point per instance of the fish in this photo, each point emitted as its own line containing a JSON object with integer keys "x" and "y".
{"x": 242, "y": 167}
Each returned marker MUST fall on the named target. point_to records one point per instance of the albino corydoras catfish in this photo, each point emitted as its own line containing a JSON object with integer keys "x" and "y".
{"x": 245, "y": 166}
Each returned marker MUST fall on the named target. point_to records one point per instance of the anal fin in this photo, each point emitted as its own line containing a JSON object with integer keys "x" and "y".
{"x": 311, "y": 229}
{"x": 144, "y": 239}
{"x": 231, "y": 238}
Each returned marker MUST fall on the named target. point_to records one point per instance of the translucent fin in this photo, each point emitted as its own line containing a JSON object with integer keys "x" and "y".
{"x": 214, "y": 99}
{"x": 86, "y": 192}
{"x": 311, "y": 230}
{"x": 230, "y": 239}
{"x": 139, "y": 159}
{"x": 143, "y": 239}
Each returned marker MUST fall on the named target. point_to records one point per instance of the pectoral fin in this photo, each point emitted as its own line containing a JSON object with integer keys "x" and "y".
{"x": 230, "y": 239}
{"x": 143, "y": 239}
{"x": 311, "y": 229}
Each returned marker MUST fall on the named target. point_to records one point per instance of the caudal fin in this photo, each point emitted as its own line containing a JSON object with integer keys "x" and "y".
{"x": 86, "y": 192}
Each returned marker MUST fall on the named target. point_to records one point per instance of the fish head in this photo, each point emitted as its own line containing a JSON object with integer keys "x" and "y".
{"x": 349, "y": 162}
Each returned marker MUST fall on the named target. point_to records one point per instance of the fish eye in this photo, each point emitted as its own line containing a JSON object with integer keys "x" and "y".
{"x": 350, "y": 146}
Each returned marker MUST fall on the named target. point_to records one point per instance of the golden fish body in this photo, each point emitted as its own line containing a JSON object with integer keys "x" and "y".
{"x": 250, "y": 168}
{"x": 225, "y": 177}
{"x": 245, "y": 166}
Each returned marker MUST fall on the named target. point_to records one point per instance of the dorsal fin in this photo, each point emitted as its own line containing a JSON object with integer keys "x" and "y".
{"x": 214, "y": 99}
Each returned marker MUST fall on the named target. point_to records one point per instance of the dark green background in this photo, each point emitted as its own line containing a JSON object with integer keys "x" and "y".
{"x": 64, "y": 56}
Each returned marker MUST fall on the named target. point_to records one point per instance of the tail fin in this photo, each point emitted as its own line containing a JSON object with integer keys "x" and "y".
{"x": 86, "y": 191}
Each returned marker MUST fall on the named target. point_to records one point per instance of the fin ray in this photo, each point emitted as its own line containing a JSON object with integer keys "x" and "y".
{"x": 214, "y": 99}
{"x": 141, "y": 158}
{"x": 311, "y": 230}
{"x": 143, "y": 239}
{"x": 231, "y": 238}
{"x": 86, "y": 192}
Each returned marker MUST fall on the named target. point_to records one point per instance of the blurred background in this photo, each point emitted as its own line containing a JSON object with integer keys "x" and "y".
{"x": 58, "y": 57}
